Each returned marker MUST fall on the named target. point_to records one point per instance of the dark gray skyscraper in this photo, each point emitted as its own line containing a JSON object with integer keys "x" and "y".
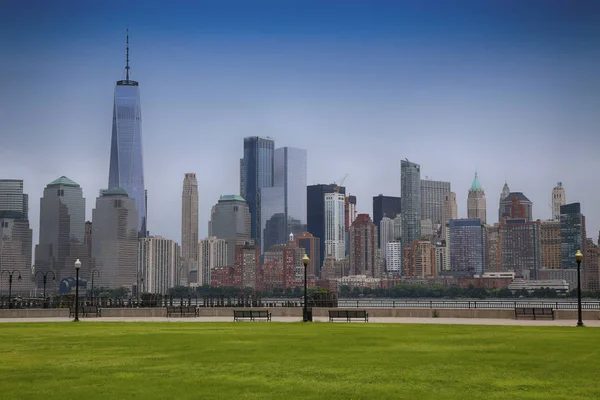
{"x": 126, "y": 163}
{"x": 385, "y": 206}
{"x": 15, "y": 236}
{"x": 256, "y": 173}
{"x": 283, "y": 206}
{"x": 411, "y": 201}
{"x": 62, "y": 230}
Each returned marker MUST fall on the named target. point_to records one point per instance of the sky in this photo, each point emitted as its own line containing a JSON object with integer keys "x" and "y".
{"x": 509, "y": 89}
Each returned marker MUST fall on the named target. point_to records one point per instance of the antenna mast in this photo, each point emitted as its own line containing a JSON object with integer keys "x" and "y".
{"x": 127, "y": 58}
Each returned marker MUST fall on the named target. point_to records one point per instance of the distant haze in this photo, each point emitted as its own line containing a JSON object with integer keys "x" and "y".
{"x": 510, "y": 90}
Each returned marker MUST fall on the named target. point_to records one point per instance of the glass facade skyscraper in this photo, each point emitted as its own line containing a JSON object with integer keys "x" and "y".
{"x": 410, "y": 183}
{"x": 283, "y": 206}
{"x": 256, "y": 173}
{"x": 126, "y": 163}
{"x": 466, "y": 246}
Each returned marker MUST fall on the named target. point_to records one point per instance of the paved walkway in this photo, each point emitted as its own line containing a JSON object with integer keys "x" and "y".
{"x": 447, "y": 321}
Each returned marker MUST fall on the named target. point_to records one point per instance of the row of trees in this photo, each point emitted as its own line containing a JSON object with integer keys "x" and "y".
{"x": 405, "y": 291}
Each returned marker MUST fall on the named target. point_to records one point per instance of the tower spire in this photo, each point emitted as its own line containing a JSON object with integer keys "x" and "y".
{"x": 127, "y": 58}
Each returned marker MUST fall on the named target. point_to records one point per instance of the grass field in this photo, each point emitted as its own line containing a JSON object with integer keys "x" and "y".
{"x": 296, "y": 361}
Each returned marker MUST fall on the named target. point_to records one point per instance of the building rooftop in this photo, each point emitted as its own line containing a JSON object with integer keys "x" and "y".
{"x": 476, "y": 186}
{"x": 231, "y": 197}
{"x": 63, "y": 181}
{"x": 115, "y": 192}
{"x": 519, "y": 195}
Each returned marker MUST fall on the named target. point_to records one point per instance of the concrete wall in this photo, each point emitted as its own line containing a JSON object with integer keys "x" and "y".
{"x": 297, "y": 312}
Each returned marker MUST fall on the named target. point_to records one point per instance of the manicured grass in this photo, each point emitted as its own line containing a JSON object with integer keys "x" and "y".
{"x": 296, "y": 361}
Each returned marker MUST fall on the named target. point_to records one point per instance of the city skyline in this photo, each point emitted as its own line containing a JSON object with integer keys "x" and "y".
{"x": 503, "y": 109}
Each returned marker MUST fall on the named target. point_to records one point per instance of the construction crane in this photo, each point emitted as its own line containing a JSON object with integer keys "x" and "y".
{"x": 337, "y": 187}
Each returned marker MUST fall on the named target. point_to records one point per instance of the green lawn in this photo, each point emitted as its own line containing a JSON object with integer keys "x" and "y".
{"x": 296, "y": 361}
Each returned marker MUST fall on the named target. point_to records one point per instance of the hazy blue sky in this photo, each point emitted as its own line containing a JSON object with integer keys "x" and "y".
{"x": 505, "y": 87}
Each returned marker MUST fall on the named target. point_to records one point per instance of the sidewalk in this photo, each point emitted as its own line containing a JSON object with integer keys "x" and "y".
{"x": 442, "y": 321}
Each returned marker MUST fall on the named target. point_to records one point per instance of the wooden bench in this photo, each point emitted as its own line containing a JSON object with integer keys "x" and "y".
{"x": 239, "y": 315}
{"x": 182, "y": 311}
{"x": 85, "y": 311}
{"x": 534, "y": 312}
{"x": 348, "y": 315}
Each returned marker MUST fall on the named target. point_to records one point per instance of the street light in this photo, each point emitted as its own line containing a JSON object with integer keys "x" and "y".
{"x": 10, "y": 279}
{"x": 93, "y": 295}
{"x": 45, "y": 278}
{"x": 77, "y": 266}
{"x": 578, "y": 258}
{"x": 305, "y": 318}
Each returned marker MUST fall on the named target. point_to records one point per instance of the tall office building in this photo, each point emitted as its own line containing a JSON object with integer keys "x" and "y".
{"x": 551, "y": 244}
{"x": 449, "y": 210}
{"x": 283, "y": 206}
{"x": 334, "y": 225}
{"x": 432, "y": 199}
{"x": 159, "y": 265}
{"x": 212, "y": 253}
{"x": 126, "y": 162}
{"x": 15, "y": 237}
{"x": 521, "y": 247}
{"x": 507, "y": 204}
{"x": 559, "y": 198}
{"x": 394, "y": 257}
{"x": 411, "y": 201}
{"x": 189, "y": 222}
{"x": 476, "y": 204}
{"x": 364, "y": 254}
{"x": 257, "y": 173}
{"x": 349, "y": 217}
{"x": 62, "y": 230}
{"x": 115, "y": 243}
{"x": 419, "y": 260}
{"x": 315, "y": 212}
{"x": 466, "y": 246}
{"x": 572, "y": 234}
{"x": 386, "y": 230}
{"x": 230, "y": 220}
{"x": 385, "y": 206}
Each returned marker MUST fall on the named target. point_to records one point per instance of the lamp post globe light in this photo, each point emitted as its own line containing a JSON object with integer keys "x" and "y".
{"x": 10, "y": 279}
{"x": 45, "y": 279}
{"x": 578, "y": 258}
{"x": 305, "y": 316}
{"x": 77, "y": 267}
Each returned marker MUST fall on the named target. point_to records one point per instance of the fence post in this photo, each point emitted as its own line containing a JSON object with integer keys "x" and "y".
{"x": 356, "y": 303}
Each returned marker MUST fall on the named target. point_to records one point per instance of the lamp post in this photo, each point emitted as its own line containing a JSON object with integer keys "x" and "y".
{"x": 578, "y": 258}
{"x": 305, "y": 318}
{"x": 10, "y": 279}
{"x": 77, "y": 266}
{"x": 93, "y": 295}
{"x": 45, "y": 279}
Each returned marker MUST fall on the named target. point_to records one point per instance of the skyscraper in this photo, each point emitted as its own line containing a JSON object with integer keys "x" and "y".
{"x": 410, "y": 183}
{"x": 385, "y": 206}
{"x": 315, "y": 210}
{"x": 559, "y": 198}
{"x": 15, "y": 236}
{"x": 465, "y": 247}
{"x": 476, "y": 205}
{"x": 572, "y": 233}
{"x": 115, "y": 239}
{"x": 126, "y": 163}
{"x": 334, "y": 225}
{"x": 449, "y": 210}
{"x": 159, "y": 264}
{"x": 283, "y": 206}
{"x": 507, "y": 204}
{"x": 256, "y": 173}
{"x": 212, "y": 253}
{"x": 62, "y": 230}
{"x": 386, "y": 229}
{"x": 230, "y": 220}
{"x": 364, "y": 254}
{"x": 432, "y": 199}
{"x": 189, "y": 221}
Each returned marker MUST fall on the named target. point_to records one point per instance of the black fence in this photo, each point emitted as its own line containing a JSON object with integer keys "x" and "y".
{"x": 250, "y": 301}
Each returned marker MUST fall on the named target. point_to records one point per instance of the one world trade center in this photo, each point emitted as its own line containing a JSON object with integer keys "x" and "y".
{"x": 126, "y": 164}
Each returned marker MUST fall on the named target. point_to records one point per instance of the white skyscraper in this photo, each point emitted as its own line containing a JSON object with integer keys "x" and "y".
{"x": 394, "y": 256}
{"x": 212, "y": 253}
{"x": 159, "y": 264}
{"x": 335, "y": 226}
{"x": 386, "y": 229}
